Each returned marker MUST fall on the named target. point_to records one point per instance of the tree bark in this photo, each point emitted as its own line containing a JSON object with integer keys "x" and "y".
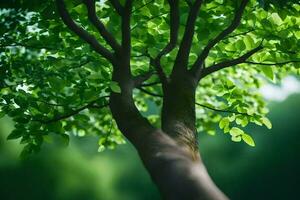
{"x": 175, "y": 171}
{"x": 170, "y": 155}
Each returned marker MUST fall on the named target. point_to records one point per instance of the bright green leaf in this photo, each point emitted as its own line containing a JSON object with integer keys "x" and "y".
{"x": 223, "y": 123}
{"x": 236, "y": 138}
{"x": 248, "y": 139}
{"x": 114, "y": 86}
{"x": 266, "y": 122}
{"x": 268, "y": 71}
{"x": 236, "y": 132}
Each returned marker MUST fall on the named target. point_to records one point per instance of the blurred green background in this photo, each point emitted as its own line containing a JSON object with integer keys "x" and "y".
{"x": 271, "y": 170}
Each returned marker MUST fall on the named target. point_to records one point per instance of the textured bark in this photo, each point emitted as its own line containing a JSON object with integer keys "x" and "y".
{"x": 175, "y": 171}
{"x": 178, "y": 112}
{"x": 170, "y": 155}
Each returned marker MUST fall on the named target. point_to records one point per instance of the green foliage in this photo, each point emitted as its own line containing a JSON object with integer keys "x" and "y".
{"x": 115, "y": 87}
{"x": 51, "y": 82}
{"x": 278, "y": 3}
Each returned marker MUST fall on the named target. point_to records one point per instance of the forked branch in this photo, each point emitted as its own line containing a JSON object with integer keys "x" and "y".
{"x": 229, "y": 63}
{"x": 174, "y": 28}
{"x": 139, "y": 80}
{"x": 181, "y": 60}
{"x": 118, "y": 7}
{"x": 83, "y": 34}
{"x": 160, "y": 72}
{"x": 91, "y": 8}
{"x": 196, "y": 68}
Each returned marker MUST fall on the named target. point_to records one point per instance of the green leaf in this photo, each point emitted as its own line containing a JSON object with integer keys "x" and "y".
{"x": 15, "y": 134}
{"x": 2, "y": 114}
{"x": 244, "y": 122}
{"x": 21, "y": 102}
{"x": 65, "y": 139}
{"x": 211, "y": 132}
{"x": 223, "y": 123}
{"x": 56, "y": 127}
{"x": 249, "y": 42}
{"x": 232, "y": 118}
{"x": 238, "y": 121}
{"x": 48, "y": 138}
{"x": 102, "y": 143}
{"x": 276, "y": 19}
{"x": 226, "y": 129}
{"x": 266, "y": 122}
{"x": 101, "y": 148}
{"x": 27, "y": 150}
{"x": 248, "y": 139}
{"x": 230, "y": 47}
{"x": 268, "y": 71}
{"x": 236, "y": 138}
{"x": 236, "y": 131}
{"x": 240, "y": 45}
{"x": 80, "y": 9}
{"x": 114, "y": 86}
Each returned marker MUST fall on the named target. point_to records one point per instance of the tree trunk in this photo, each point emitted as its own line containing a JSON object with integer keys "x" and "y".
{"x": 174, "y": 170}
{"x": 173, "y": 167}
{"x": 170, "y": 155}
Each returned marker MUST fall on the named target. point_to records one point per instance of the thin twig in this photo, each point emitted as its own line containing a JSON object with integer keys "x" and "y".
{"x": 142, "y": 6}
{"x": 272, "y": 64}
{"x": 73, "y": 112}
{"x": 223, "y": 111}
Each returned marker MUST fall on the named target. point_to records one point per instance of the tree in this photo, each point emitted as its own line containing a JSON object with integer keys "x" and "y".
{"x": 139, "y": 69}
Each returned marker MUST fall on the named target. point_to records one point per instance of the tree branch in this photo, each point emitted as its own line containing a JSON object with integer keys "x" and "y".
{"x": 142, "y": 6}
{"x": 151, "y": 18}
{"x": 150, "y": 84}
{"x": 174, "y": 28}
{"x": 72, "y": 113}
{"x": 53, "y": 104}
{"x": 196, "y": 69}
{"x": 126, "y": 30}
{"x": 118, "y": 7}
{"x": 156, "y": 64}
{"x": 160, "y": 72}
{"x": 189, "y": 3}
{"x": 229, "y": 63}
{"x": 91, "y": 7}
{"x": 81, "y": 32}
{"x": 272, "y": 64}
{"x": 181, "y": 60}
{"x": 220, "y": 110}
{"x": 17, "y": 44}
{"x": 150, "y": 93}
{"x": 240, "y": 34}
{"x": 80, "y": 64}
{"x": 138, "y": 80}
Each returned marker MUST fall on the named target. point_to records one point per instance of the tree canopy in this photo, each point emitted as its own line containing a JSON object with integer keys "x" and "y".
{"x": 54, "y": 83}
